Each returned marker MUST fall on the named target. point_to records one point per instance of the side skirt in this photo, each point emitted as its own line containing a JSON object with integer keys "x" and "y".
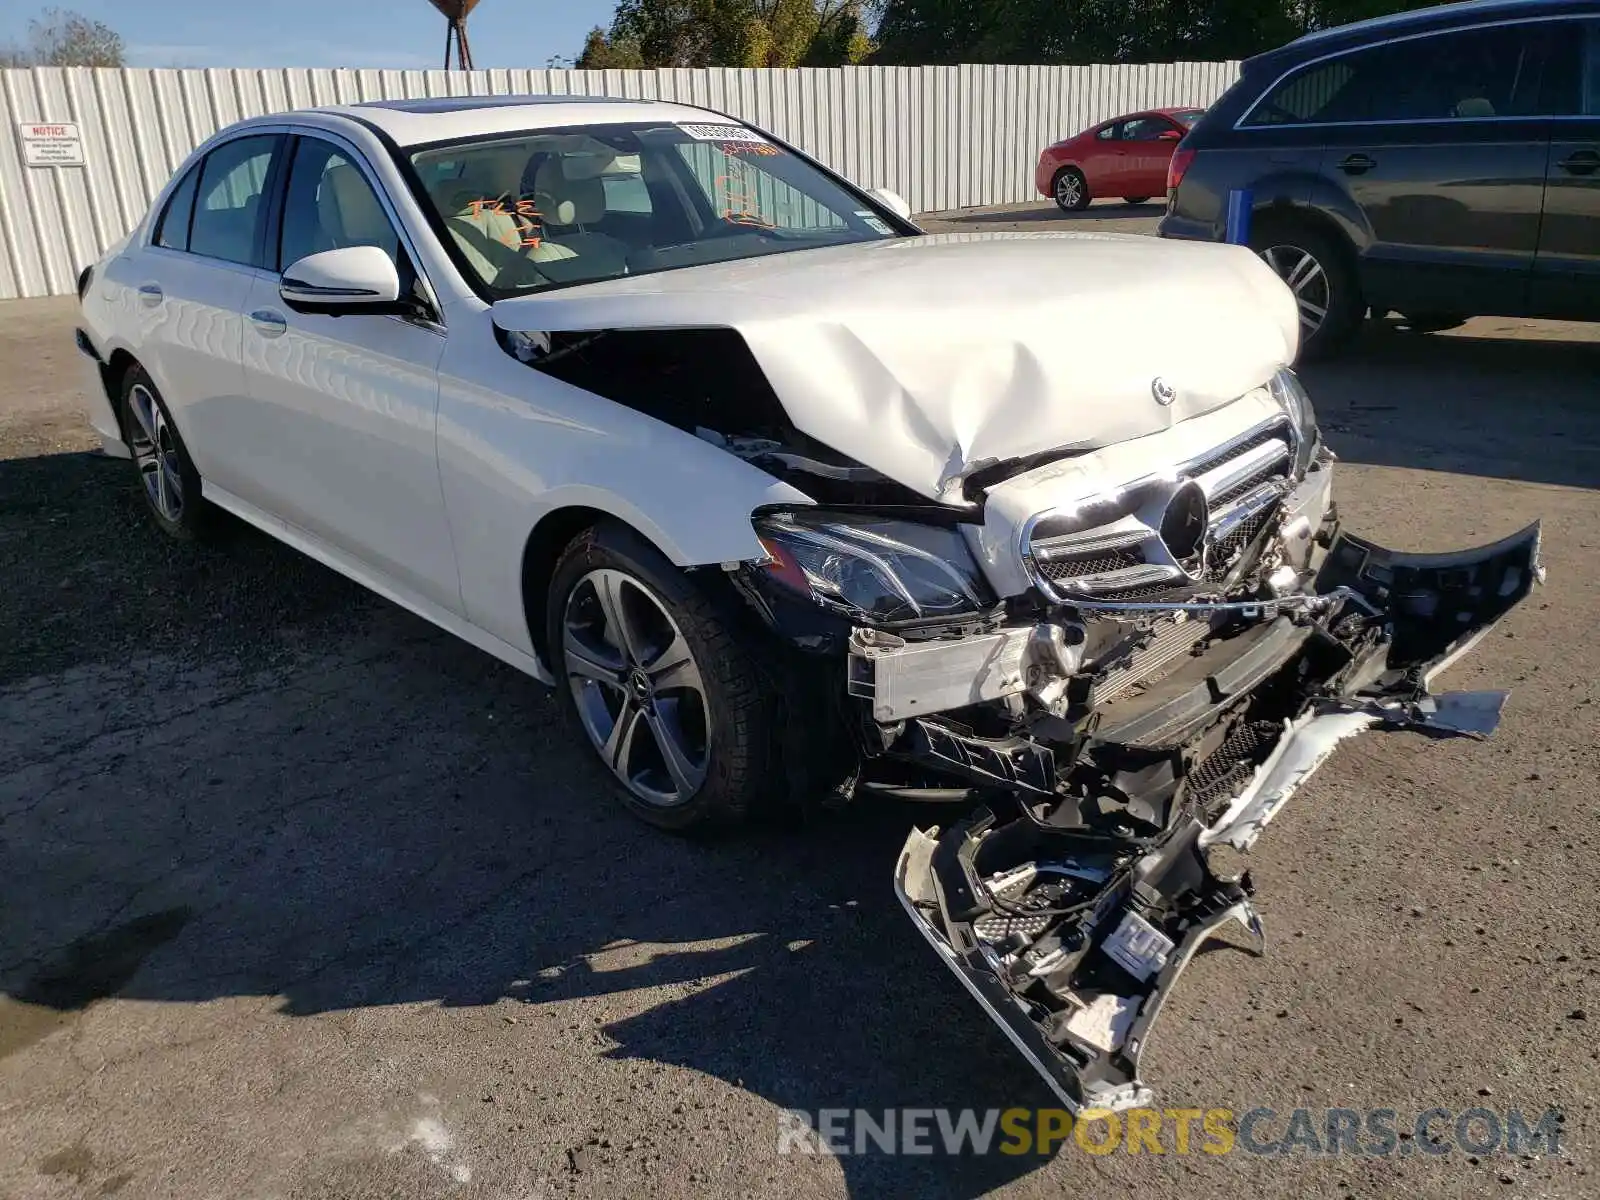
{"x": 373, "y": 581}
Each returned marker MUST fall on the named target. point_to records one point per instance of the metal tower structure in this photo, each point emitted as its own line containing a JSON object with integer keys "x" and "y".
{"x": 455, "y": 12}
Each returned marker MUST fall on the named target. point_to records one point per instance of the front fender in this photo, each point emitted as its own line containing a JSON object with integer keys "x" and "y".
{"x": 516, "y": 445}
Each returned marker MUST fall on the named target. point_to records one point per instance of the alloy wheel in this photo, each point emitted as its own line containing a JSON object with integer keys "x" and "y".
{"x": 638, "y": 691}
{"x": 1305, "y": 276}
{"x": 1069, "y": 189}
{"x": 155, "y": 451}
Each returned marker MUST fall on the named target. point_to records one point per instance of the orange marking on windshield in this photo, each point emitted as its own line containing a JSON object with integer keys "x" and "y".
{"x": 738, "y": 206}
{"x": 526, "y": 223}
{"x": 759, "y": 149}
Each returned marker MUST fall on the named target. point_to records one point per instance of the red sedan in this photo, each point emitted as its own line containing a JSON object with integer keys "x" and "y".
{"x": 1125, "y": 156}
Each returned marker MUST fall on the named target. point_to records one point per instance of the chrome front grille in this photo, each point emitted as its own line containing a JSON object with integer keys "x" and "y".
{"x": 1123, "y": 556}
{"x": 1231, "y": 450}
{"x": 1260, "y": 475}
{"x": 1092, "y": 563}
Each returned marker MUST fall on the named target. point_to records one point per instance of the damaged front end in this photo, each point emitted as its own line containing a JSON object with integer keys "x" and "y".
{"x": 1068, "y": 907}
{"x": 1123, "y": 655}
{"x": 1126, "y": 684}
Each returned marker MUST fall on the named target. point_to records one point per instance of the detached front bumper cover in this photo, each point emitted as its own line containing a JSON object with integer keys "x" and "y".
{"x": 1071, "y": 943}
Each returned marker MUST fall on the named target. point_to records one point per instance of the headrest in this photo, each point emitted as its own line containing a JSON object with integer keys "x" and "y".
{"x": 565, "y": 198}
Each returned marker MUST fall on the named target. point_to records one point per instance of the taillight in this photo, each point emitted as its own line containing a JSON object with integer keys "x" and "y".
{"x": 1179, "y": 163}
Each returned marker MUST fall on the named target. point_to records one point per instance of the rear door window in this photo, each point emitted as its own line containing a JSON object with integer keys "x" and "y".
{"x": 173, "y": 229}
{"x": 228, "y": 210}
{"x": 1591, "y": 70}
{"x": 1470, "y": 74}
{"x": 1145, "y": 129}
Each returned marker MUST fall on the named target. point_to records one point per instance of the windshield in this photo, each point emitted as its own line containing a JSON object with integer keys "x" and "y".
{"x": 1189, "y": 117}
{"x": 557, "y": 207}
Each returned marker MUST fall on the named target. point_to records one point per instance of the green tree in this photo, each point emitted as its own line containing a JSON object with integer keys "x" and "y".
{"x": 730, "y": 33}
{"x": 1324, "y": 14}
{"x": 601, "y": 53}
{"x": 1110, "y": 31}
{"x": 62, "y": 38}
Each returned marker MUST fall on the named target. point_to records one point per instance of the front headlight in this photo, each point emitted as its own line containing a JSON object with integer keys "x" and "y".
{"x": 872, "y": 568}
{"x": 1290, "y": 393}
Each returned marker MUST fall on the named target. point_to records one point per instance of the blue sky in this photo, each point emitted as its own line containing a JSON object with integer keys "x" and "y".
{"x": 326, "y": 33}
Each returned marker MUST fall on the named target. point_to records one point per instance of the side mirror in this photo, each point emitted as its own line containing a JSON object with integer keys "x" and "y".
{"x": 893, "y": 201}
{"x": 354, "y": 279}
{"x": 1169, "y": 135}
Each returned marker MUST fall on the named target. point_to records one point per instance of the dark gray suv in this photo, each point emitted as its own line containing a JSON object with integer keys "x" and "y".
{"x": 1440, "y": 164}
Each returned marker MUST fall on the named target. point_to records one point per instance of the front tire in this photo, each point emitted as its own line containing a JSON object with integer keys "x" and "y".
{"x": 1071, "y": 190}
{"x": 167, "y": 475}
{"x": 1322, "y": 276}
{"x": 1136, "y": 199}
{"x": 660, "y": 683}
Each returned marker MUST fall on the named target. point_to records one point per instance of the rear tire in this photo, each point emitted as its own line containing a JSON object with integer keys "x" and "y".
{"x": 661, "y": 684}
{"x": 1071, "y": 190}
{"x": 1320, "y": 270}
{"x": 167, "y": 475}
{"x": 1136, "y": 199}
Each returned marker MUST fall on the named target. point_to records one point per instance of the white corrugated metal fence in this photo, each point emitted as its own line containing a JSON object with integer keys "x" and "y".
{"x": 943, "y": 137}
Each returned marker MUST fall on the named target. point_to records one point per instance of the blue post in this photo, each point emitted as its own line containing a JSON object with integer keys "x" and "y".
{"x": 1238, "y": 228}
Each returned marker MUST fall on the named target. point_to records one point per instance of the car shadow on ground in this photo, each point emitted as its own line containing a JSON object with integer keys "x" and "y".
{"x": 230, "y": 773}
{"x": 1471, "y": 401}
{"x": 348, "y": 810}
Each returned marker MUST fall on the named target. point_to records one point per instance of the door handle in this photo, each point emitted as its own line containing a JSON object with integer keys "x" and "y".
{"x": 1581, "y": 162}
{"x": 269, "y": 323}
{"x": 150, "y": 294}
{"x": 1358, "y": 164}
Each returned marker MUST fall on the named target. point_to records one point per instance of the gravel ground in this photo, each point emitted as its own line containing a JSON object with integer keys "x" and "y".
{"x": 300, "y": 898}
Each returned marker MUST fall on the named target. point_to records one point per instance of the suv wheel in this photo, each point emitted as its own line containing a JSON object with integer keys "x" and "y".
{"x": 1319, "y": 272}
{"x": 1071, "y": 190}
{"x": 660, "y": 683}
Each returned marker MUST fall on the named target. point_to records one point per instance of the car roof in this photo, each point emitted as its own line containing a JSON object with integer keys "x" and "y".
{"x": 444, "y": 118}
{"x": 1420, "y": 20}
{"x": 1170, "y": 110}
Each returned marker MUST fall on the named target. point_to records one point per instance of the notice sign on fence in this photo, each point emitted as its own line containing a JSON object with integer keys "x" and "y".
{"x": 50, "y": 145}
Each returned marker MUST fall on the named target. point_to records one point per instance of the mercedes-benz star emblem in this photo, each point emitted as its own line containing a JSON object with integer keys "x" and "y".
{"x": 1163, "y": 391}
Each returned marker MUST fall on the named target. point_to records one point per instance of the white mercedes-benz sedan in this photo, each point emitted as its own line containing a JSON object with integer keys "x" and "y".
{"x": 791, "y": 501}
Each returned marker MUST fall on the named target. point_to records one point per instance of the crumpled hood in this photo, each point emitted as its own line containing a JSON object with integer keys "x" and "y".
{"x": 926, "y": 357}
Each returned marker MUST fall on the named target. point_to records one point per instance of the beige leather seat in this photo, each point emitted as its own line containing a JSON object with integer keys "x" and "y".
{"x": 570, "y": 195}
{"x": 491, "y": 239}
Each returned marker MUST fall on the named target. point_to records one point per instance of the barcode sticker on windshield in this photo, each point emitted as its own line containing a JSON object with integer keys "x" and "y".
{"x": 723, "y": 133}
